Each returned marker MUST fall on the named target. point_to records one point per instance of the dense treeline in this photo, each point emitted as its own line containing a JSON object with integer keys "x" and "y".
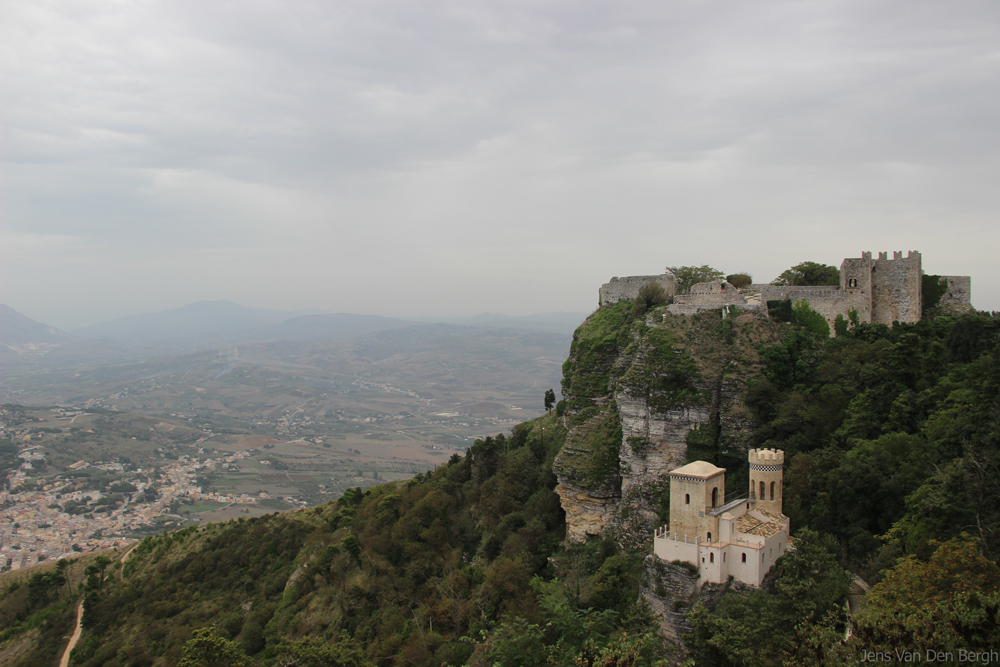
{"x": 888, "y": 429}
{"x": 892, "y": 441}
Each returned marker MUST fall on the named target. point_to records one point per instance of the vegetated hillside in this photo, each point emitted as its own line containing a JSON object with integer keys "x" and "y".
{"x": 892, "y": 473}
{"x": 892, "y": 470}
{"x": 456, "y": 566}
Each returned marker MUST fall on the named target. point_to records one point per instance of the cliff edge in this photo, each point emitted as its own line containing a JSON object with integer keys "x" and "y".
{"x": 639, "y": 395}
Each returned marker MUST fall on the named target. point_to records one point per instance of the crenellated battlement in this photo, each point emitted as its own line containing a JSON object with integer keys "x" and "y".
{"x": 767, "y": 457}
{"x": 871, "y": 291}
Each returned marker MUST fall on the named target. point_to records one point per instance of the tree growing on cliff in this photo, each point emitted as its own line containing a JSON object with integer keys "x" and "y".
{"x": 650, "y": 295}
{"x": 550, "y": 399}
{"x": 933, "y": 288}
{"x": 739, "y": 280}
{"x": 692, "y": 275}
{"x": 809, "y": 273}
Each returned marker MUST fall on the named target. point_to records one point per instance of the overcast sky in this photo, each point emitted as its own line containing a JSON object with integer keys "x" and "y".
{"x": 451, "y": 158}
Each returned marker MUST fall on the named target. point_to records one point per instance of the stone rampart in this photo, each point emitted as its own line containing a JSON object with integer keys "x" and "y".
{"x": 959, "y": 291}
{"x": 825, "y": 300}
{"x": 627, "y": 288}
{"x": 713, "y": 294}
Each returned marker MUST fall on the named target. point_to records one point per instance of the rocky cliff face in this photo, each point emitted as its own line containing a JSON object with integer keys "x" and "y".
{"x": 640, "y": 395}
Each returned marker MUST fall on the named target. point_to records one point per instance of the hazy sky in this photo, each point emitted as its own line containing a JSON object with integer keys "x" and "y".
{"x": 450, "y": 158}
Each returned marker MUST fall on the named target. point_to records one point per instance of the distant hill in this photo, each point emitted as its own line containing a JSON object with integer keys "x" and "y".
{"x": 20, "y": 332}
{"x": 194, "y": 322}
{"x": 561, "y": 323}
{"x": 218, "y": 322}
{"x": 331, "y": 326}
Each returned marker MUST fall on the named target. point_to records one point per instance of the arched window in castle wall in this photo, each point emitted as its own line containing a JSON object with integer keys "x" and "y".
{"x": 710, "y": 538}
{"x": 711, "y": 558}
{"x": 715, "y": 496}
{"x": 687, "y": 498}
{"x": 762, "y": 496}
{"x": 753, "y": 485}
{"x": 772, "y": 490}
{"x": 744, "y": 558}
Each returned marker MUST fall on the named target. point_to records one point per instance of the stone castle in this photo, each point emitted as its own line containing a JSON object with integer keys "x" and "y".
{"x": 739, "y": 537}
{"x": 880, "y": 291}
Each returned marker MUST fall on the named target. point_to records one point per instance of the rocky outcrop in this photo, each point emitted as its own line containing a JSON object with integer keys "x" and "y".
{"x": 639, "y": 394}
{"x": 652, "y": 445}
{"x": 672, "y": 590}
{"x": 586, "y": 514}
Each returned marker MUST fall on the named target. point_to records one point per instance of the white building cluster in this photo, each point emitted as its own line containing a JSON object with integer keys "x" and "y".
{"x": 739, "y": 536}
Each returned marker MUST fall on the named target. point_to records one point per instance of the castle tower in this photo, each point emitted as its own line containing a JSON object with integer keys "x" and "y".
{"x": 766, "y": 473}
{"x": 694, "y": 489}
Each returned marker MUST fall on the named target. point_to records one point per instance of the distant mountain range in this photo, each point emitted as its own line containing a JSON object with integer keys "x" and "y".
{"x": 195, "y": 321}
{"x": 221, "y": 323}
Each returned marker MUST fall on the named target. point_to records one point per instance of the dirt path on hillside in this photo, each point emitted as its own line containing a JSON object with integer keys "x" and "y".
{"x": 76, "y": 636}
{"x": 121, "y": 572}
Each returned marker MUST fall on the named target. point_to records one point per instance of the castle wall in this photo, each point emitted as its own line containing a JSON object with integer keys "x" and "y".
{"x": 959, "y": 290}
{"x": 897, "y": 288}
{"x": 627, "y": 288}
{"x": 713, "y": 294}
{"x": 881, "y": 290}
{"x": 828, "y": 301}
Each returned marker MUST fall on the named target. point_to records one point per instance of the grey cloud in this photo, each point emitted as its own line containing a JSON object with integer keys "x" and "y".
{"x": 378, "y": 133}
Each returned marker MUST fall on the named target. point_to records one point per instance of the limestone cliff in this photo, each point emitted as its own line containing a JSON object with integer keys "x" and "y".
{"x": 639, "y": 393}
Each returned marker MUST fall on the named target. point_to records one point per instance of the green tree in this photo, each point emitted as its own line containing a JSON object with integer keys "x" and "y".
{"x": 808, "y": 318}
{"x": 761, "y": 629}
{"x": 651, "y": 295}
{"x": 550, "y": 399}
{"x": 840, "y": 326}
{"x": 252, "y": 638}
{"x": 809, "y": 273}
{"x": 933, "y": 288}
{"x": 207, "y": 649}
{"x": 692, "y": 275}
{"x": 315, "y": 652}
{"x": 950, "y": 602}
{"x": 41, "y": 586}
{"x": 739, "y": 280}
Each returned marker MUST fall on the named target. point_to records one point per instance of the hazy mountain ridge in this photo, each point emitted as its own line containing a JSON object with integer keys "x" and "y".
{"x": 28, "y": 346}
{"x": 558, "y": 322}
{"x": 330, "y": 326}
{"x": 17, "y": 329}
{"x": 194, "y": 321}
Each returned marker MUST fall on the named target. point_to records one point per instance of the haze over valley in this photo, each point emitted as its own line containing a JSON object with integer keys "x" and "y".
{"x": 310, "y": 403}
